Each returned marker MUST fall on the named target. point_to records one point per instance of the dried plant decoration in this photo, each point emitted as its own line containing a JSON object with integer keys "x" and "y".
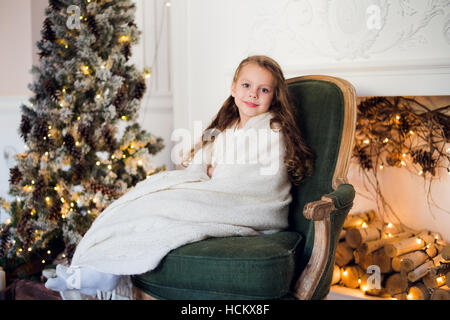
{"x": 402, "y": 132}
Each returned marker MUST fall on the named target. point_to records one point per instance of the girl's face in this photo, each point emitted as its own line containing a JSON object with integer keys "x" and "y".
{"x": 253, "y": 91}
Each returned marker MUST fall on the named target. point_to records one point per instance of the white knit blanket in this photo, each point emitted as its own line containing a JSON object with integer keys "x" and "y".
{"x": 248, "y": 194}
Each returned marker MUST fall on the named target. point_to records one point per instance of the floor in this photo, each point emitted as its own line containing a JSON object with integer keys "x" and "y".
{"x": 343, "y": 293}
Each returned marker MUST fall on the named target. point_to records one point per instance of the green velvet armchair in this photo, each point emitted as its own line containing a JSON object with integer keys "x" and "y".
{"x": 293, "y": 264}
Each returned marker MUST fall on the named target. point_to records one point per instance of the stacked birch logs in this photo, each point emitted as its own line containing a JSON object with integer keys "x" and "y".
{"x": 382, "y": 259}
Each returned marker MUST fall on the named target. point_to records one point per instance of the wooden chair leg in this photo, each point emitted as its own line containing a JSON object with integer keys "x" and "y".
{"x": 138, "y": 294}
{"x": 310, "y": 277}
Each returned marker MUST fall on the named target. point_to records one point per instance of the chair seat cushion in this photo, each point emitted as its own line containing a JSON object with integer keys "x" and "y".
{"x": 254, "y": 267}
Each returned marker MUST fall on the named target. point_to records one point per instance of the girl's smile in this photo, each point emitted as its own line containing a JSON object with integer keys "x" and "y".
{"x": 251, "y": 105}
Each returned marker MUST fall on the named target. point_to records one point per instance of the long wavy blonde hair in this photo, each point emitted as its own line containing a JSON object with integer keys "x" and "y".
{"x": 298, "y": 156}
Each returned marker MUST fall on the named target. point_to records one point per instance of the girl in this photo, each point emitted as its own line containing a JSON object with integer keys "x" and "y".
{"x": 211, "y": 199}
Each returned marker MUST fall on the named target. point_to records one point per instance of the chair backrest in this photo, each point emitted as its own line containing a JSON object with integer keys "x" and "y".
{"x": 326, "y": 116}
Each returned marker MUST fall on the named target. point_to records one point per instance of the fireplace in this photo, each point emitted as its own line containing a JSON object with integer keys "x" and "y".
{"x": 395, "y": 241}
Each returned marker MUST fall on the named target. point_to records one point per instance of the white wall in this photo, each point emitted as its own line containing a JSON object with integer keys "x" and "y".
{"x": 408, "y": 54}
{"x": 15, "y": 55}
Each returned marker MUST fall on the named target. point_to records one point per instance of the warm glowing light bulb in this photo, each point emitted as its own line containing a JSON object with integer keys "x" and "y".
{"x": 109, "y": 166}
{"x": 390, "y": 225}
{"x": 124, "y": 117}
{"x": 419, "y": 241}
{"x": 420, "y": 173}
{"x": 366, "y": 141}
{"x": 386, "y": 140}
{"x": 97, "y": 163}
{"x": 85, "y": 70}
{"x": 124, "y": 38}
{"x": 344, "y": 273}
{"x": 364, "y": 225}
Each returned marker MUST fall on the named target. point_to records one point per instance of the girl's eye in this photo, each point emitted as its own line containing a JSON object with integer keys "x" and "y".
{"x": 265, "y": 90}
{"x": 245, "y": 85}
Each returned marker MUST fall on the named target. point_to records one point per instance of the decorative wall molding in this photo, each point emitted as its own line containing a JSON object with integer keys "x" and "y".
{"x": 348, "y": 30}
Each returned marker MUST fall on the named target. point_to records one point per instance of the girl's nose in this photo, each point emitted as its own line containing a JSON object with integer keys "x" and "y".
{"x": 252, "y": 94}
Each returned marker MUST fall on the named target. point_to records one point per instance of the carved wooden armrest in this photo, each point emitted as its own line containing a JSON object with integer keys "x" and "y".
{"x": 318, "y": 211}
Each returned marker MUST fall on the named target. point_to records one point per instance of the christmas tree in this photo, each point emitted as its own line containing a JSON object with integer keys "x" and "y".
{"x": 74, "y": 165}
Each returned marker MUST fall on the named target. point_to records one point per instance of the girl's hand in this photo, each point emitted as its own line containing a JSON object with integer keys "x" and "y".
{"x": 210, "y": 170}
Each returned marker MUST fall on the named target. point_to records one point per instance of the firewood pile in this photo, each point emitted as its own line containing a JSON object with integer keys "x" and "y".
{"x": 382, "y": 259}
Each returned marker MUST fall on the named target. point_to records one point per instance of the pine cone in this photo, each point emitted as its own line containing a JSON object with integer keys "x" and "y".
{"x": 28, "y": 236}
{"x": 394, "y": 160}
{"x": 108, "y": 136}
{"x": 5, "y": 235}
{"x": 92, "y": 25}
{"x": 15, "y": 175}
{"x": 69, "y": 143}
{"x": 55, "y": 5}
{"x": 23, "y": 221}
{"x": 48, "y": 33}
{"x": 50, "y": 88}
{"x": 39, "y": 189}
{"x": 425, "y": 160}
{"x": 121, "y": 99}
{"x": 126, "y": 50}
{"x": 444, "y": 122}
{"x": 79, "y": 171}
{"x": 363, "y": 157}
{"x": 40, "y": 129}
{"x": 25, "y": 127}
{"x": 139, "y": 89}
{"x": 369, "y": 107}
{"x": 87, "y": 133}
{"x": 95, "y": 187}
{"x": 54, "y": 212}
